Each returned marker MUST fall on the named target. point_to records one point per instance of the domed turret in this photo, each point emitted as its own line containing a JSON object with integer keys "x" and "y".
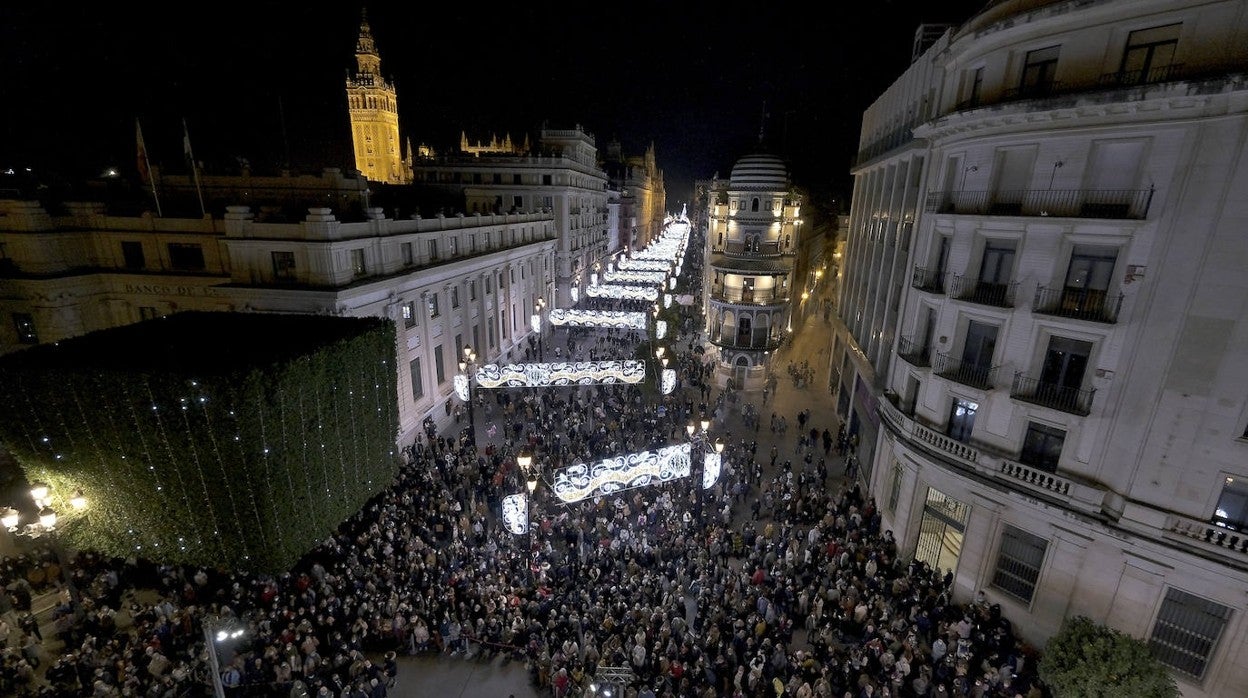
{"x": 760, "y": 171}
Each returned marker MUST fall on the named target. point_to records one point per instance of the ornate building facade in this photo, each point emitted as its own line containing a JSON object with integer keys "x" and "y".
{"x": 1045, "y": 315}
{"x": 753, "y": 236}
{"x": 447, "y": 282}
{"x": 373, "y": 106}
{"x": 643, "y": 196}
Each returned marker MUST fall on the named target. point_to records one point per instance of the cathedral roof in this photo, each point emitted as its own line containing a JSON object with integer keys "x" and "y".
{"x": 760, "y": 171}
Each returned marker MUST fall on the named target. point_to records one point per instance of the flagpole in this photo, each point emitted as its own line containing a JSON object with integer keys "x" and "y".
{"x": 186, "y": 145}
{"x": 145, "y": 167}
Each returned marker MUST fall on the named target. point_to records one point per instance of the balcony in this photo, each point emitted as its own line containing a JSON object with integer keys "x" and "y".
{"x": 760, "y": 341}
{"x": 1078, "y": 303}
{"x": 742, "y": 297}
{"x": 764, "y": 249}
{"x": 930, "y": 280}
{"x": 1059, "y": 397}
{"x": 964, "y": 372}
{"x": 1124, "y": 204}
{"x": 1068, "y": 491}
{"x": 975, "y": 291}
{"x": 1155, "y": 74}
{"x": 1215, "y": 540}
{"x": 914, "y": 354}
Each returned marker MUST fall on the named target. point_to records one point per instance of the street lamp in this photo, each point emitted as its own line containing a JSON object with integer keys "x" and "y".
{"x": 467, "y": 367}
{"x": 524, "y": 459}
{"x": 44, "y": 526}
{"x": 219, "y": 631}
{"x": 699, "y": 449}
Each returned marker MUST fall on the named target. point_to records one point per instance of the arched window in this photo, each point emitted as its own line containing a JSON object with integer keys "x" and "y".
{"x": 743, "y": 332}
{"x": 754, "y": 205}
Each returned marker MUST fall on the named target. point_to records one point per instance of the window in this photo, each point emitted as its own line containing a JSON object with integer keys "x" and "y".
{"x": 455, "y": 247}
{"x": 186, "y": 256}
{"x": 434, "y": 311}
{"x": 439, "y": 367}
{"x": 517, "y": 201}
{"x": 409, "y": 314}
{"x": 406, "y": 249}
{"x": 472, "y": 290}
{"x": 454, "y": 296}
{"x": 515, "y": 179}
{"x": 147, "y": 312}
{"x": 546, "y": 179}
{"x": 418, "y": 380}
{"x": 498, "y": 178}
{"x": 476, "y": 336}
{"x": 1187, "y": 631}
{"x": 1065, "y": 363}
{"x": 472, "y": 243}
{"x": 489, "y": 284}
{"x": 1018, "y": 563}
{"x": 25, "y": 325}
{"x": 1042, "y": 446}
{"x": 1149, "y": 55}
{"x": 433, "y": 250}
{"x": 962, "y": 419}
{"x": 894, "y": 488}
{"x": 132, "y": 255}
{"x": 1232, "y": 509}
{"x": 997, "y": 265}
{"x": 283, "y": 265}
{"x": 459, "y": 346}
{"x": 754, "y": 205}
{"x": 978, "y": 350}
{"x": 492, "y": 328}
{"x": 548, "y": 202}
{"x": 977, "y": 85}
{"x": 1038, "y": 72}
{"x": 357, "y": 262}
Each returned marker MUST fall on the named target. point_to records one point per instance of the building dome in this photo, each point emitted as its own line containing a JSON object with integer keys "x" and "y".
{"x": 760, "y": 171}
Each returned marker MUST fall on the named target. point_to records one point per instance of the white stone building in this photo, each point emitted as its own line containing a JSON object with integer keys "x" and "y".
{"x": 1045, "y": 307}
{"x": 447, "y": 282}
{"x": 752, "y": 241}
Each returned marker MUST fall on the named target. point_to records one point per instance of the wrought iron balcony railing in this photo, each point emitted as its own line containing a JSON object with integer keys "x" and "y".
{"x": 970, "y": 289}
{"x": 737, "y": 340}
{"x": 964, "y": 372}
{"x": 930, "y": 280}
{"x": 1128, "y": 204}
{"x": 1155, "y": 74}
{"x": 754, "y": 298}
{"x": 914, "y": 354}
{"x": 1078, "y": 303}
{"x": 1059, "y": 397}
{"x": 763, "y": 249}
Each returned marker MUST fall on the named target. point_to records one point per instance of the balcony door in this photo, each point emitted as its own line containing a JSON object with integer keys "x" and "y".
{"x": 1087, "y": 278}
{"x": 981, "y": 343}
{"x": 1065, "y": 363}
{"x": 961, "y": 420}
{"x": 747, "y": 290}
{"x": 995, "y": 269}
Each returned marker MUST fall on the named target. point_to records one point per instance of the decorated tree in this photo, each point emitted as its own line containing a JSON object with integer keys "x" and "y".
{"x": 208, "y": 438}
{"x": 1089, "y": 660}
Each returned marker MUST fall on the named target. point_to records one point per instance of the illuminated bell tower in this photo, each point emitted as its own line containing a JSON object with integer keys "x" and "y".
{"x": 374, "y": 110}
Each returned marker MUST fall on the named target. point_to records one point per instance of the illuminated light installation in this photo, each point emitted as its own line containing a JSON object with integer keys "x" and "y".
{"x": 535, "y": 323}
{"x": 576, "y": 294}
{"x": 515, "y": 513}
{"x": 660, "y": 329}
{"x": 667, "y": 300}
{"x": 634, "y": 277}
{"x": 616, "y": 319}
{"x": 577, "y": 482}
{"x": 628, "y": 293}
{"x": 669, "y": 384}
{"x": 671, "y": 283}
{"x": 565, "y": 373}
{"x": 593, "y": 278}
{"x": 461, "y": 386}
{"x": 644, "y": 265}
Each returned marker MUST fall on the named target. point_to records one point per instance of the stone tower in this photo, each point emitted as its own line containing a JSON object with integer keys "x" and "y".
{"x": 374, "y": 111}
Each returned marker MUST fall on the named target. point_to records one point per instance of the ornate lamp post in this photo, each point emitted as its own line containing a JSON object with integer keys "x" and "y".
{"x": 467, "y": 367}
{"x": 524, "y": 459}
{"x": 45, "y": 527}
{"x": 699, "y": 448}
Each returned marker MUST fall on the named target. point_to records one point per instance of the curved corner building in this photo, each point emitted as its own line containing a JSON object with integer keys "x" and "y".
{"x": 752, "y": 243}
{"x": 1044, "y": 348}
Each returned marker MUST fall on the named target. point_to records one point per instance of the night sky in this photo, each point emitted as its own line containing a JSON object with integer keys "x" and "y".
{"x": 262, "y": 79}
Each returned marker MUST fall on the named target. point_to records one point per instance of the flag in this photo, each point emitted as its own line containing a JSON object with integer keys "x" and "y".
{"x": 145, "y": 170}
{"x": 186, "y": 145}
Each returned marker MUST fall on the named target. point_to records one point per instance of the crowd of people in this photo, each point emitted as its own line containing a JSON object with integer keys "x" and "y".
{"x": 778, "y": 581}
